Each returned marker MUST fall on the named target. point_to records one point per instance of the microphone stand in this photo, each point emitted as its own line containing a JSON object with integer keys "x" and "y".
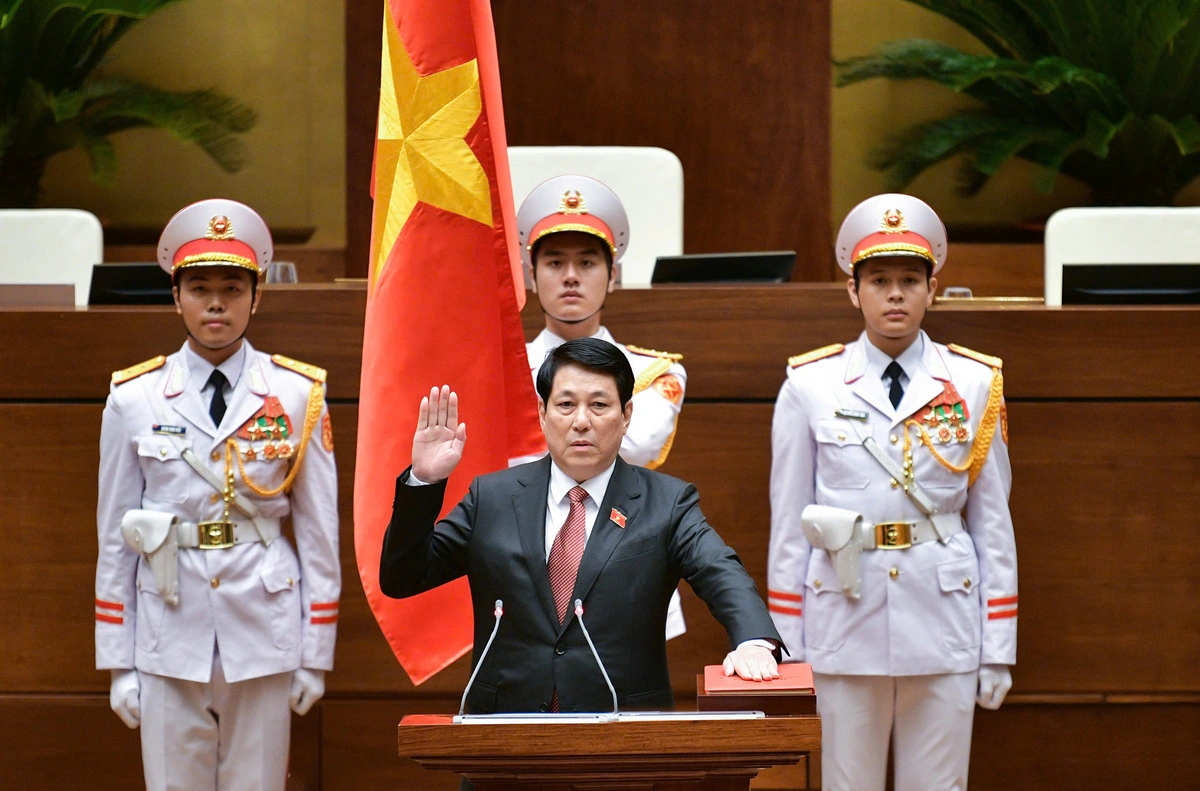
{"x": 591, "y": 645}
{"x": 499, "y": 611}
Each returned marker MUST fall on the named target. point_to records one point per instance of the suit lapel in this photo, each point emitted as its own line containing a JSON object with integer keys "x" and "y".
{"x": 867, "y": 387}
{"x": 186, "y": 399}
{"x": 529, "y": 504}
{"x": 925, "y": 384}
{"x": 623, "y": 495}
{"x": 247, "y": 397}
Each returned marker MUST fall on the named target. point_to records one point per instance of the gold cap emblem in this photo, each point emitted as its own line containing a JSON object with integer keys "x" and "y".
{"x": 220, "y": 229}
{"x": 893, "y": 222}
{"x": 572, "y": 203}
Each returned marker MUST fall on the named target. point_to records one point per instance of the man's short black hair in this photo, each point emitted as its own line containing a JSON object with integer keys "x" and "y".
{"x": 593, "y": 354}
{"x": 858, "y": 274}
{"x": 533, "y": 253}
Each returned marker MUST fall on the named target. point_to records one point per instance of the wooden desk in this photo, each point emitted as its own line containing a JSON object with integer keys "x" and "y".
{"x": 1104, "y": 412}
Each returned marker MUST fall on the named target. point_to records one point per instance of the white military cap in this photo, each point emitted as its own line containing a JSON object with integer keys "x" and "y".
{"x": 573, "y": 203}
{"x": 215, "y": 232}
{"x": 892, "y": 224}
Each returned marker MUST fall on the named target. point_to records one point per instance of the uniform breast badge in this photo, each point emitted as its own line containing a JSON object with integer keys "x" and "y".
{"x": 270, "y": 425}
{"x": 945, "y": 417}
{"x": 669, "y": 387}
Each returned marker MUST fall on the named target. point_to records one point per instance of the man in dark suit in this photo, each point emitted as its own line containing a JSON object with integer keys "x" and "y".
{"x": 578, "y": 524}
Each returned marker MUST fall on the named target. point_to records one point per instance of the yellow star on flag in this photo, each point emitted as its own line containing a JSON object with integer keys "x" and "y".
{"x": 420, "y": 152}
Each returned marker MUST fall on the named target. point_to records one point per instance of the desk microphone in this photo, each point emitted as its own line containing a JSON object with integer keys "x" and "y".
{"x": 499, "y": 611}
{"x": 579, "y": 617}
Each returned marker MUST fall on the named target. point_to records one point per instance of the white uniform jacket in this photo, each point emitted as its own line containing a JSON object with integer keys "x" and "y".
{"x": 267, "y": 611}
{"x": 657, "y": 397}
{"x": 931, "y": 608}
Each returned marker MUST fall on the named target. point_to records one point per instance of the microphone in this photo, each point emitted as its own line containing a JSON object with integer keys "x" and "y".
{"x": 591, "y": 645}
{"x": 499, "y": 611}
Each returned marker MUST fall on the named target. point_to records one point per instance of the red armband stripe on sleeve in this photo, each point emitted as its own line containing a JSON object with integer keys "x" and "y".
{"x": 317, "y": 620}
{"x": 784, "y": 596}
{"x": 109, "y": 618}
{"x": 998, "y": 614}
{"x": 779, "y": 608}
{"x": 110, "y": 605}
{"x": 329, "y": 605}
{"x": 1002, "y": 602}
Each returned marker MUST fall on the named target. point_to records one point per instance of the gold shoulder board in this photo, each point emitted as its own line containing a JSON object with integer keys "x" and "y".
{"x": 134, "y": 371}
{"x": 816, "y": 354}
{"x": 653, "y": 353}
{"x": 304, "y": 369}
{"x": 979, "y": 357}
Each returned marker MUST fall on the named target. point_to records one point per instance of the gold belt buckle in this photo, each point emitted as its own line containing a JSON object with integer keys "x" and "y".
{"x": 216, "y": 535}
{"x": 893, "y": 535}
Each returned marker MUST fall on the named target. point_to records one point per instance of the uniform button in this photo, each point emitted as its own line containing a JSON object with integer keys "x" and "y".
{"x": 842, "y": 437}
{"x": 162, "y": 452}
{"x": 895, "y": 483}
{"x": 216, "y": 455}
{"x": 560, "y": 649}
{"x": 816, "y": 585}
{"x": 967, "y": 583}
{"x": 215, "y": 497}
{"x": 289, "y": 582}
{"x": 894, "y": 439}
{"x": 215, "y": 582}
{"x": 893, "y": 572}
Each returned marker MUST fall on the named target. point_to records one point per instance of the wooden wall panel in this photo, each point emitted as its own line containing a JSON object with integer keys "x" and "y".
{"x": 742, "y": 98}
{"x": 747, "y": 335}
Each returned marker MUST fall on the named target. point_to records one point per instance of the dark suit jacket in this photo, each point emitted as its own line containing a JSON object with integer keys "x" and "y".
{"x": 497, "y": 537}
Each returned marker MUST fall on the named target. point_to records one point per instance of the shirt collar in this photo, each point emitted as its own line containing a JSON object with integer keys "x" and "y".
{"x": 200, "y": 368}
{"x": 552, "y": 341}
{"x": 561, "y": 484}
{"x": 909, "y": 359}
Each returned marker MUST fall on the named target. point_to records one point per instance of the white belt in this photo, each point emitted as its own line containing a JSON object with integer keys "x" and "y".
{"x": 902, "y": 535}
{"x": 222, "y": 535}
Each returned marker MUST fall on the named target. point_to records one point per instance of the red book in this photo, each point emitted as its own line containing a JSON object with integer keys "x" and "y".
{"x": 795, "y": 678}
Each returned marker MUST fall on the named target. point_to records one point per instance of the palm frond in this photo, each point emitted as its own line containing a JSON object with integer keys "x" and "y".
{"x": 208, "y": 119}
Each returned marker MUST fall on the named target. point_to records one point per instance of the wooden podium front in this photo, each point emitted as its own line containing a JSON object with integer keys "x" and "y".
{"x": 713, "y": 755}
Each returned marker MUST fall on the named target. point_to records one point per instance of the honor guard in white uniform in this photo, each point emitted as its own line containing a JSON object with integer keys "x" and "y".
{"x": 573, "y": 232}
{"x": 892, "y": 565}
{"x": 209, "y": 619}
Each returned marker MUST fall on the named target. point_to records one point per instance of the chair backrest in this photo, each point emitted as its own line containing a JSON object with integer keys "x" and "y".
{"x": 649, "y": 181}
{"x": 50, "y": 246}
{"x": 1130, "y": 236}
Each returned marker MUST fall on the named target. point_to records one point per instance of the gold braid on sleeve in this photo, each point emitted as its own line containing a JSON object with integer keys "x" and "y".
{"x": 312, "y": 414}
{"x": 983, "y": 436}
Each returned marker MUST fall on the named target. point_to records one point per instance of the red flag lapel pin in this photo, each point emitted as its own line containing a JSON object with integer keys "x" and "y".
{"x": 618, "y": 518}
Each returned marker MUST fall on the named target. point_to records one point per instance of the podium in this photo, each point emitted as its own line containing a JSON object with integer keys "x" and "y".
{"x": 657, "y": 755}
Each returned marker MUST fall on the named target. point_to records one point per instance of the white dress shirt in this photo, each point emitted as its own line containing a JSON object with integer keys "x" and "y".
{"x": 200, "y": 369}
{"x": 908, "y": 360}
{"x": 558, "y": 504}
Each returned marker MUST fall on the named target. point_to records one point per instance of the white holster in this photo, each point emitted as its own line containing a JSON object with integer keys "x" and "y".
{"x": 152, "y": 534}
{"x": 839, "y": 532}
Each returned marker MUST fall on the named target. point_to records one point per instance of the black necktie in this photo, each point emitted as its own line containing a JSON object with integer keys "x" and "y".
{"x": 896, "y": 391}
{"x": 216, "y": 407}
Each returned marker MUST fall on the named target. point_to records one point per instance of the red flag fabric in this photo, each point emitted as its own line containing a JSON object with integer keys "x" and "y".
{"x": 444, "y": 298}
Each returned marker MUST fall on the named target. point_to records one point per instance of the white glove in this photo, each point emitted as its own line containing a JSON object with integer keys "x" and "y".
{"x": 123, "y": 696}
{"x": 994, "y": 683}
{"x": 307, "y": 688}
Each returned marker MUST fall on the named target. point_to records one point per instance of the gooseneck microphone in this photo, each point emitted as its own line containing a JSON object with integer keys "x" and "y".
{"x": 499, "y": 611}
{"x": 579, "y": 617}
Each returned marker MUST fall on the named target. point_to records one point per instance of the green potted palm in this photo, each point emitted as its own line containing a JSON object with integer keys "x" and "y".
{"x": 1104, "y": 91}
{"x": 52, "y": 99}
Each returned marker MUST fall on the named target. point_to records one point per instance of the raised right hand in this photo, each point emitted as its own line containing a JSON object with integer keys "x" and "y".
{"x": 439, "y": 439}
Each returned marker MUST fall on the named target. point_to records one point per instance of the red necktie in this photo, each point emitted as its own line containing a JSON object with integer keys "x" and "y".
{"x": 565, "y": 554}
{"x": 567, "y": 551}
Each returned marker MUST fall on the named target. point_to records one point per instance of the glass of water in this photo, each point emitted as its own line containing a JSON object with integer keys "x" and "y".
{"x": 281, "y": 272}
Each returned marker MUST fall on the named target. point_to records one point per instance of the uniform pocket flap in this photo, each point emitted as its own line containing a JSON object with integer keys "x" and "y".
{"x": 279, "y": 578}
{"x": 960, "y": 575}
{"x": 836, "y": 432}
{"x": 160, "y": 448}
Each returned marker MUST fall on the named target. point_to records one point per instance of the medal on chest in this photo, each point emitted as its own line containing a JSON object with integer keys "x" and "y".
{"x": 268, "y": 433}
{"x": 945, "y": 418}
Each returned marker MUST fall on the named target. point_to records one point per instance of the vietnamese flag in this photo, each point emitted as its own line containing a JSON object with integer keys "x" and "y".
{"x": 444, "y": 299}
